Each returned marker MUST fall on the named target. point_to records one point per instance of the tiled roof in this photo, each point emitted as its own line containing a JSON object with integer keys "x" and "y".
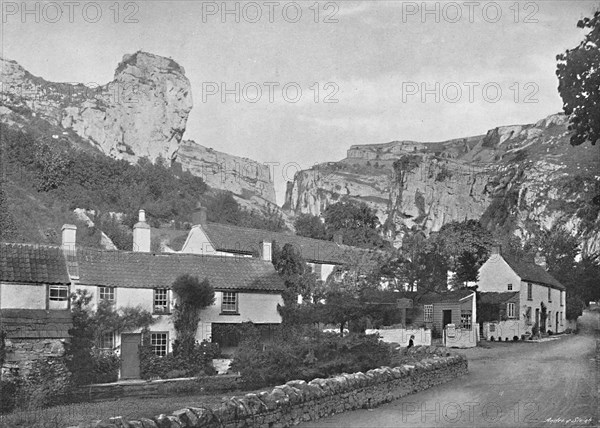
{"x": 148, "y": 270}
{"x": 529, "y": 271}
{"x": 36, "y": 323}
{"x": 494, "y": 298}
{"x": 445, "y": 296}
{"x": 244, "y": 240}
{"x": 32, "y": 264}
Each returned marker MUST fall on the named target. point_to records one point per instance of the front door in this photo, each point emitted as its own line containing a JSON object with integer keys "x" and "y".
{"x": 130, "y": 358}
{"x": 446, "y": 317}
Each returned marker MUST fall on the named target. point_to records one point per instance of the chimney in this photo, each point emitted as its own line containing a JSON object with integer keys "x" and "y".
{"x": 540, "y": 260}
{"x": 141, "y": 234}
{"x": 338, "y": 238}
{"x": 265, "y": 252}
{"x": 69, "y": 238}
{"x": 496, "y": 250}
{"x": 199, "y": 217}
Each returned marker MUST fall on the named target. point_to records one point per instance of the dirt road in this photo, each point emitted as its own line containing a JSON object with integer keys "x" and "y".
{"x": 552, "y": 383}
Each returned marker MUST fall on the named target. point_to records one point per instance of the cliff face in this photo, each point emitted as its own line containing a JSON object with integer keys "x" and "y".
{"x": 142, "y": 112}
{"x": 242, "y": 176}
{"x": 517, "y": 179}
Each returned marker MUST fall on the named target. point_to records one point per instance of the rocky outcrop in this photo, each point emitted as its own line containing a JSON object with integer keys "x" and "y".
{"x": 519, "y": 179}
{"x": 141, "y": 113}
{"x": 242, "y": 176}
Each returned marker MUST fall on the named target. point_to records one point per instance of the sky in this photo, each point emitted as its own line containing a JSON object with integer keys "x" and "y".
{"x": 312, "y": 78}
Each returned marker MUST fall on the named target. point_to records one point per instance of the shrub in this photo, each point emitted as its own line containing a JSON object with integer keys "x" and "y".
{"x": 8, "y": 395}
{"x": 106, "y": 366}
{"x": 550, "y": 332}
{"x": 305, "y": 353}
{"x": 515, "y": 338}
{"x": 492, "y": 338}
{"x": 522, "y": 337}
{"x": 48, "y": 383}
{"x": 170, "y": 366}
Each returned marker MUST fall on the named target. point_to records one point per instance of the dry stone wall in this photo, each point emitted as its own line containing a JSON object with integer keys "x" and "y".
{"x": 298, "y": 401}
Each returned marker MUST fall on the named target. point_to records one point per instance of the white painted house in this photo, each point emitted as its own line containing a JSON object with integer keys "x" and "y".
{"x": 324, "y": 257}
{"x": 527, "y": 293}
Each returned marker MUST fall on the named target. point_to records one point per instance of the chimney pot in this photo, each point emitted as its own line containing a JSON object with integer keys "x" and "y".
{"x": 200, "y": 215}
{"x": 338, "y": 238}
{"x": 141, "y": 234}
{"x": 69, "y": 237}
{"x": 265, "y": 251}
{"x": 496, "y": 249}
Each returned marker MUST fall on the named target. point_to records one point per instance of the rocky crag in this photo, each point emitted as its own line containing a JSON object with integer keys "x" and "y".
{"x": 516, "y": 179}
{"x": 142, "y": 112}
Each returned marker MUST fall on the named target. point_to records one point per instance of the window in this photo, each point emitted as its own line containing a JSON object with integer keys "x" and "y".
{"x": 159, "y": 342}
{"x": 229, "y": 303}
{"x": 528, "y": 315}
{"x": 428, "y": 313}
{"x": 509, "y": 287}
{"x": 549, "y": 294}
{"x": 510, "y": 310}
{"x": 107, "y": 341}
{"x": 338, "y": 276}
{"x": 529, "y": 291}
{"x": 58, "y": 293}
{"x": 58, "y": 297}
{"x": 549, "y": 318}
{"x": 562, "y": 298}
{"x": 465, "y": 319}
{"x": 561, "y": 318}
{"x": 161, "y": 301}
{"x": 107, "y": 293}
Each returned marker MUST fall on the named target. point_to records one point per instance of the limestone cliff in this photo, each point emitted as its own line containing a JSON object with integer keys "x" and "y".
{"x": 142, "y": 112}
{"x": 518, "y": 179}
{"x": 242, "y": 176}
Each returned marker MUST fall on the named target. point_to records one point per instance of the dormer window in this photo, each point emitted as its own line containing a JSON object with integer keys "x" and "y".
{"x": 509, "y": 287}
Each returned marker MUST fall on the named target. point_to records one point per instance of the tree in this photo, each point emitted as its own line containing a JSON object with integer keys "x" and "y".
{"x": 464, "y": 246}
{"x": 357, "y": 222}
{"x": 296, "y": 274}
{"x": 310, "y": 226}
{"x": 193, "y": 296}
{"x": 578, "y": 72}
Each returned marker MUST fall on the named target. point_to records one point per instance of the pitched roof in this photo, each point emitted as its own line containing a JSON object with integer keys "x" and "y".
{"x": 29, "y": 263}
{"x": 36, "y": 323}
{"x": 148, "y": 270}
{"x": 495, "y": 298}
{"x": 243, "y": 240}
{"x": 444, "y": 296}
{"x": 529, "y": 271}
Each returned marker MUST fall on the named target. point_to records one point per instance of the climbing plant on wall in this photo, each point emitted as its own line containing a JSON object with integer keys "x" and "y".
{"x": 193, "y": 296}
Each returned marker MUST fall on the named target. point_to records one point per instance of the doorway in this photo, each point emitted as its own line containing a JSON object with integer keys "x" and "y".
{"x": 446, "y": 317}
{"x": 130, "y": 358}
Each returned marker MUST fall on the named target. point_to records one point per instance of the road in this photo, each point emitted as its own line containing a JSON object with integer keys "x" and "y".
{"x": 552, "y": 383}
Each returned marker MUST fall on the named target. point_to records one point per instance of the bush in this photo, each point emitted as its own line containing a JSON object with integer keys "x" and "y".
{"x": 515, "y": 338}
{"x": 48, "y": 383}
{"x": 523, "y": 337}
{"x": 492, "y": 338}
{"x": 171, "y": 366}
{"x": 8, "y": 396}
{"x": 550, "y": 332}
{"x": 106, "y": 366}
{"x": 305, "y": 353}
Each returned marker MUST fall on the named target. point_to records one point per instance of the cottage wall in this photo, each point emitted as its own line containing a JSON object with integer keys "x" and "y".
{"x": 495, "y": 275}
{"x": 539, "y": 295}
{"x": 259, "y": 308}
{"x": 22, "y": 296}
